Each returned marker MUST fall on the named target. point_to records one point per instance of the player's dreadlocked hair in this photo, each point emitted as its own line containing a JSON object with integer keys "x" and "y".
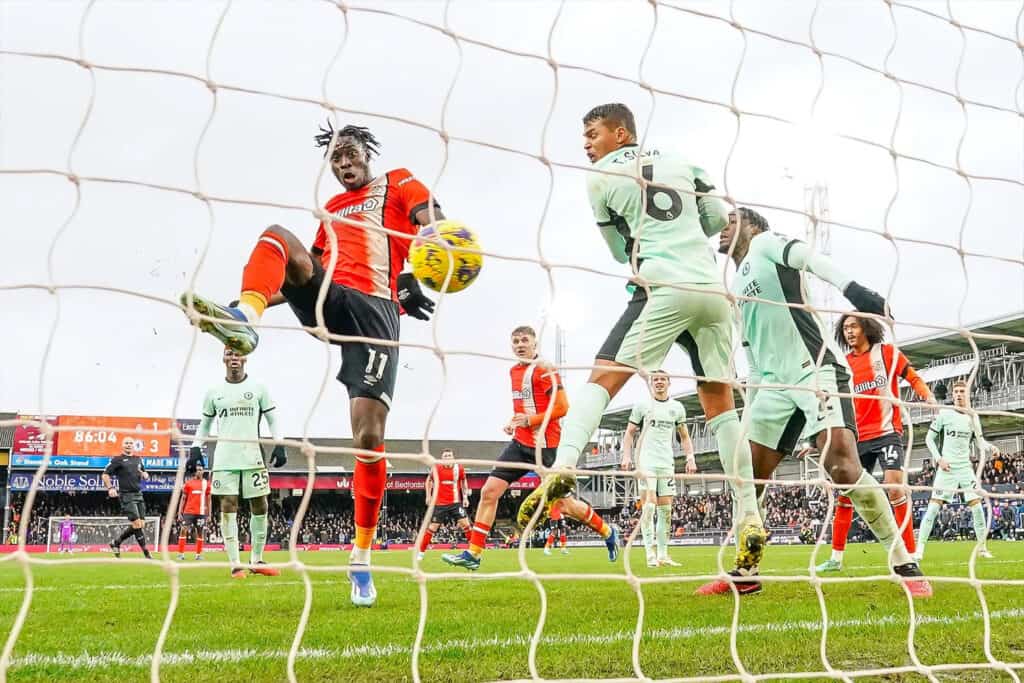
{"x": 755, "y": 219}
{"x": 360, "y": 133}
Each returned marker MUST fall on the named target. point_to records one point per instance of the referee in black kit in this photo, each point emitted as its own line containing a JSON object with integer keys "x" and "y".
{"x": 127, "y": 469}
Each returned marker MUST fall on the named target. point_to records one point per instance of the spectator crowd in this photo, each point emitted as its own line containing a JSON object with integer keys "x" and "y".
{"x": 799, "y": 509}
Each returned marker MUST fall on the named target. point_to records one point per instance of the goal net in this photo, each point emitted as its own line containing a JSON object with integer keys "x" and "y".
{"x": 94, "y": 534}
{"x": 145, "y": 146}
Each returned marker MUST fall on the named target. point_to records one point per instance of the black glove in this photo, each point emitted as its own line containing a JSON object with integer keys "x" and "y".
{"x": 412, "y": 299}
{"x": 195, "y": 457}
{"x": 866, "y": 300}
{"x": 278, "y": 457}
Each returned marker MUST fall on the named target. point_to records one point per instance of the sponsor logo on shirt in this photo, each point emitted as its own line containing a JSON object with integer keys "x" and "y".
{"x": 237, "y": 411}
{"x": 525, "y": 394}
{"x": 369, "y": 204}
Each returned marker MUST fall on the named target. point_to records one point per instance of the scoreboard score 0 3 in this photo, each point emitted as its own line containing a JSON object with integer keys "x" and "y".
{"x": 90, "y": 435}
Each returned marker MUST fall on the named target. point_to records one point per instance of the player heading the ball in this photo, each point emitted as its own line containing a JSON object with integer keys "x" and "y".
{"x": 660, "y": 226}
{"x": 365, "y": 294}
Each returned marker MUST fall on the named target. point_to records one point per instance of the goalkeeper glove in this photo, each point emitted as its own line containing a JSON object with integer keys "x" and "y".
{"x": 411, "y": 297}
{"x": 278, "y": 457}
{"x": 195, "y": 457}
{"x": 865, "y": 300}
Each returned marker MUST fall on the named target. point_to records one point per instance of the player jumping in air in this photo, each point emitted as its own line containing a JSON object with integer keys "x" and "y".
{"x": 956, "y": 428}
{"x": 363, "y": 297}
{"x": 655, "y": 422}
{"x": 238, "y": 405}
{"x": 193, "y": 508}
{"x": 879, "y": 423}
{"x": 128, "y": 470}
{"x": 452, "y": 498}
{"x": 536, "y": 389}
{"x": 786, "y": 346}
{"x": 67, "y": 533}
{"x": 663, "y": 233}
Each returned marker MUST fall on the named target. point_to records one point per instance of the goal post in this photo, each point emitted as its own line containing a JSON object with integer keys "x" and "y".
{"x": 94, "y": 534}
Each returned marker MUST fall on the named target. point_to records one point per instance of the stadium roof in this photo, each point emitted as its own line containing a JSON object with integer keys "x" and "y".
{"x": 483, "y": 450}
{"x": 920, "y": 350}
{"x": 938, "y": 345}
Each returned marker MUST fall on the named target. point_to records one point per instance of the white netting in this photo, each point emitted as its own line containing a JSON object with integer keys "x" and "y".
{"x": 647, "y": 54}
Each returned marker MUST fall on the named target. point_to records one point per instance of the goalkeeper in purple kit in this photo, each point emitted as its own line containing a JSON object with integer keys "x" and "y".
{"x": 67, "y": 533}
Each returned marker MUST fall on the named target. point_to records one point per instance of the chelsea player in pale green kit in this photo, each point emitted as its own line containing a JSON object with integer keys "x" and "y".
{"x": 654, "y": 213}
{"x": 238, "y": 405}
{"x": 786, "y": 346}
{"x": 953, "y": 469}
{"x": 657, "y": 420}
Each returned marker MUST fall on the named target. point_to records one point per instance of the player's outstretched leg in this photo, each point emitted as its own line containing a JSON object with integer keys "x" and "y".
{"x": 369, "y": 479}
{"x": 239, "y": 336}
{"x": 582, "y": 512}
{"x": 841, "y": 522}
{"x": 553, "y": 488}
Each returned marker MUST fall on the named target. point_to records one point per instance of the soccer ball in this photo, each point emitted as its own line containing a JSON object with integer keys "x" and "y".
{"x": 431, "y": 262}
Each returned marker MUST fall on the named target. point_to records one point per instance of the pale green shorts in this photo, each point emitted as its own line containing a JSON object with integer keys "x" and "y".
{"x": 662, "y": 482}
{"x": 699, "y": 321}
{"x": 254, "y": 483}
{"x": 947, "y": 483}
{"x": 778, "y": 417}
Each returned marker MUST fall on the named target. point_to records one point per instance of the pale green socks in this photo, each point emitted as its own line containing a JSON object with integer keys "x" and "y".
{"x": 664, "y": 520}
{"x": 927, "y": 522}
{"x": 872, "y": 505}
{"x": 734, "y": 453}
{"x": 980, "y": 528}
{"x": 585, "y": 410}
{"x": 647, "y": 528}
{"x": 258, "y": 526}
{"x": 229, "y": 529}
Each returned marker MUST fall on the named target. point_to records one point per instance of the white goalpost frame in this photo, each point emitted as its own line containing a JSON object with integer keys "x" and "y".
{"x": 115, "y": 524}
{"x": 728, "y": 107}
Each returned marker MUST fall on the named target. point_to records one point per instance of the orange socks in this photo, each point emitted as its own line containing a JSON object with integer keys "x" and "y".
{"x": 594, "y": 521}
{"x": 841, "y": 523}
{"x": 478, "y": 538}
{"x": 264, "y": 273}
{"x": 900, "y": 510}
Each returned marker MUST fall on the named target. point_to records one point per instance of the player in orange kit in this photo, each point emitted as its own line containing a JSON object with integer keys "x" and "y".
{"x": 193, "y": 509}
{"x": 452, "y": 498}
{"x": 536, "y": 390}
{"x": 364, "y": 292}
{"x": 557, "y": 529}
{"x": 877, "y": 368}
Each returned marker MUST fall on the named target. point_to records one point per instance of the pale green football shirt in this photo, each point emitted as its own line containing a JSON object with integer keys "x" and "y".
{"x": 957, "y": 430}
{"x": 238, "y": 408}
{"x": 658, "y": 421}
{"x": 783, "y": 343}
{"x": 666, "y": 221}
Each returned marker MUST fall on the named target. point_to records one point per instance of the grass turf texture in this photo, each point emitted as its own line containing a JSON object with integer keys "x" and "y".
{"x": 99, "y": 622}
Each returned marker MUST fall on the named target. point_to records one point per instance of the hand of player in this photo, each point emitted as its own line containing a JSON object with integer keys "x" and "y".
{"x": 931, "y": 400}
{"x": 627, "y": 464}
{"x": 278, "y": 457}
{"x": 691, "y": 465}
{"x": 144, "y": 475}
{"x": 866, "y": 300}
{"x": 943, "y": 464}
{"x": 520, "y": 420}
{"x": 412, "y": 299}
{"x": 112, "y": 492}
{"x": 509, "y": 429}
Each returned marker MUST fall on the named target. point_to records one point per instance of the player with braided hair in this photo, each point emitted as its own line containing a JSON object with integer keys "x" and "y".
{"x": 374, "y": 219}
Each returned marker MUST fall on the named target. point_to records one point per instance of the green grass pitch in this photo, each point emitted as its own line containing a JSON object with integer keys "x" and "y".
{"x": 100, "y": 621}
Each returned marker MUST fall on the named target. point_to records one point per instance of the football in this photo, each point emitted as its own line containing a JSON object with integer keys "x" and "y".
{"x": 431, "y": 261}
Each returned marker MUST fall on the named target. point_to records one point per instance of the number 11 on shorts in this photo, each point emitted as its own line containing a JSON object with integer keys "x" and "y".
{"x": 374, "y": 356}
